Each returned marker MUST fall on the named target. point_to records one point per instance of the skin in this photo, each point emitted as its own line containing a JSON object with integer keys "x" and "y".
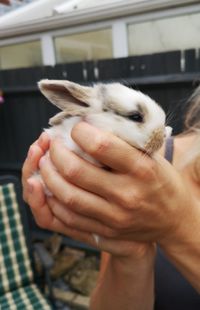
{"x": 140, "y": 201}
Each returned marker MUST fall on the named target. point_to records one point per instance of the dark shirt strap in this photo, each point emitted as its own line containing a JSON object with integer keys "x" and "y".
{"x": 169, "y": 149}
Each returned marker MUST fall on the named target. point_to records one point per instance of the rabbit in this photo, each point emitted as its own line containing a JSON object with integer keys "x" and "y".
{"x": 125, "y": 112}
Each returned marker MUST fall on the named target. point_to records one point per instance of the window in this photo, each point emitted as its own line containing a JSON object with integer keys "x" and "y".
{"x": 84, "y": 46}
{"x": 167, "y": 34}
{"x": 21, "y": 55}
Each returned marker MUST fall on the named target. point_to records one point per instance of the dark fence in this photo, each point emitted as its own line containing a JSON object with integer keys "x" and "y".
{"x": 25, "y": 111}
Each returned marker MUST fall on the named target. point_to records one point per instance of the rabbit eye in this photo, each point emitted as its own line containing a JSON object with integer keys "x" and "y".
{"x": 136, "y": 117}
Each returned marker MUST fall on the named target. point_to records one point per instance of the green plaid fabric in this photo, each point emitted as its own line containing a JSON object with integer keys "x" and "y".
{"x": 24, "y": 298}
{"x": 17, "y": 290}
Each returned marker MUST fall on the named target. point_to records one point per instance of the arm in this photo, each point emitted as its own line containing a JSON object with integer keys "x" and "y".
{"x": 125, "y": 284}
{"x": 139, "y": 199}
{"x": 183, "y": 247}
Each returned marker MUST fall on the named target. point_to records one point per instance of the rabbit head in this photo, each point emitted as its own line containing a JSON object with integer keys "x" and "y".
{"x": 129, "y": 114}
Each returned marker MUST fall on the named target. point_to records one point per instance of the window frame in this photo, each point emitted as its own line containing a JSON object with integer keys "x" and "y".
{"x": 119, "y": 27}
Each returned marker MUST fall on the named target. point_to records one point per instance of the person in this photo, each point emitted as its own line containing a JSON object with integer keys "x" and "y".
{"x": 143, "y": 213}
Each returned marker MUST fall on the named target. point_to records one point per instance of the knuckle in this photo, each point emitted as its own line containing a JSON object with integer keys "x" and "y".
{"x": 69, "y": 199}
{"x": 131, "y": 199}
{"x": 41, "y": 223}
{"x": 120, "y": 222}
{"x": 72, "y": 171}
{"x": 101, "y": 143}
{"x": 145, "y": 169}
{"x": 147, "y": 172}
{"x": 128, "y": 199}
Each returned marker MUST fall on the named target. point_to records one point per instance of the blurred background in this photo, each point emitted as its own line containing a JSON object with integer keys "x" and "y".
{"x": 150, "y": 45}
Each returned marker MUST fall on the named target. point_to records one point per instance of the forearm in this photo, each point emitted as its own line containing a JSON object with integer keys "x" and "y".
{"x": 125, "y": 286}
{"x": 183, "y": 249}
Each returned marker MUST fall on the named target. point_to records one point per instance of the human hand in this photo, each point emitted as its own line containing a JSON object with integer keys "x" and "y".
{"x": 139, "y": 199}
{"x": 70, "y": 223}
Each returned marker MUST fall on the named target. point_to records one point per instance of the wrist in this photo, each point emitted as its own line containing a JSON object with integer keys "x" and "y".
{"x": 186, "y": 232}
{"x": 142, "y": 256}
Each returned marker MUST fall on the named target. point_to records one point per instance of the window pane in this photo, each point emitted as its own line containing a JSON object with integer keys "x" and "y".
{"x": 175, "y": 33}
{"x": 21, "y": 55}
{"x": 84, "y": 46}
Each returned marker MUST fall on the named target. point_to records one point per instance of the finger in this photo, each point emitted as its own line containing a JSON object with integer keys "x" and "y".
{"x": 75, "y": 234}
{"x": 44, "y": 141}
{"x": 75, "y": 198}
{"x": 52, "y": 215}
{"x": 31, "y": 162}
{"x": 40, "y": 209}
{"x": 46, "y": 220}
{"x": 43, "y": 214}
{"x": 110, "y": 185}
{"x": 80, "y": 172}
{"x": 109, "y": 149}
{"x": 78, "y": 221}
{"x": 37, "y": 202}
{"x": 30, "y": 165}
{"x": 35, "y": 193}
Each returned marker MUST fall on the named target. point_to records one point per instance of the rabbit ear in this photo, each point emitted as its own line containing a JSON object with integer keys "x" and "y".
{"x": 67, "y": 95}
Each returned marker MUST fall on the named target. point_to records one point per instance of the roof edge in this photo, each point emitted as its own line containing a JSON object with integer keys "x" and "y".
{"x": 90, "y": 15}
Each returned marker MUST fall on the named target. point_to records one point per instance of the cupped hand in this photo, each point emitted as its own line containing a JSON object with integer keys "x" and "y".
{"x": 138, "y": 198}
{"x": 52, "y": 214}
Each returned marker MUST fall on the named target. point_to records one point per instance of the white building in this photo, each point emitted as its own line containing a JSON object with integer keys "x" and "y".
{"x": 46, "y": 32}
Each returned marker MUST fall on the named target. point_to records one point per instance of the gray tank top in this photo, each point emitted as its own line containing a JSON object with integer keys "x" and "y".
{"x": 172, "y": 290}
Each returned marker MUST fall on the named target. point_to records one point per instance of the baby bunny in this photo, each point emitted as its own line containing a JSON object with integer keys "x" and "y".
{"x": 127, "y": 113}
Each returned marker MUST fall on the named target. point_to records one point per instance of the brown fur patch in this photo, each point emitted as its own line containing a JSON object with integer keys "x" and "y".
{"x": 155, "y": 141}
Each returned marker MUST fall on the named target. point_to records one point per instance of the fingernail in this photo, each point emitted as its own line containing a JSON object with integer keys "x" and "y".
{"x": 42, "y": 161}
{"x": 30, "y": 186}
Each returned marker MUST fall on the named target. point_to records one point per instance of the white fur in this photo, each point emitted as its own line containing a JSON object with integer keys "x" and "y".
{"x": 64, "y": 131}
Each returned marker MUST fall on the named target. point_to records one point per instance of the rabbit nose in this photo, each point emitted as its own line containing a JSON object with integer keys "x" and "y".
{"x": 155, "y": 140}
